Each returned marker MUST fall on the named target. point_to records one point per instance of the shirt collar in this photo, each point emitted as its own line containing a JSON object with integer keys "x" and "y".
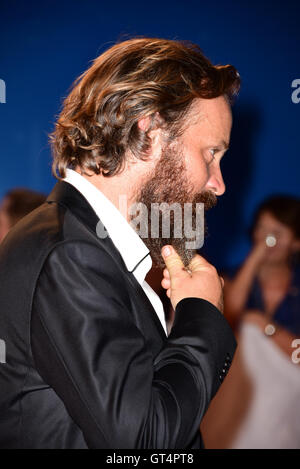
{"x": 133, "y": 250}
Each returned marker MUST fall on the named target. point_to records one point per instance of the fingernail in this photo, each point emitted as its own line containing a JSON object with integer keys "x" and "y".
{"x": 166, "y": 251}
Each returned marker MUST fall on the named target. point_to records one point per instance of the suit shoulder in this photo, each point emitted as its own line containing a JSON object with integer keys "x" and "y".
{"x": 41, "y": 228}
{"x": 87, "y": 255}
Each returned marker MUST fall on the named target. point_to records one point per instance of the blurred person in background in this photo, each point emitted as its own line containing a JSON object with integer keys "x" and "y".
{"x": 268, "y": 282}
{"x": 262, "y": 300}
{"x": 16, "y": 204}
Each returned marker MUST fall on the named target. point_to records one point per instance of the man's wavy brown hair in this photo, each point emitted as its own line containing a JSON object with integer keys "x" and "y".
{"x": 138, "y": 78}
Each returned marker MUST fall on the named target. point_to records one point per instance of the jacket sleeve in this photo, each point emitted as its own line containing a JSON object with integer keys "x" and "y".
{"x": 86, "y": 346}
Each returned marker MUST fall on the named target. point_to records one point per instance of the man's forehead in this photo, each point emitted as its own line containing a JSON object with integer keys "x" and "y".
{"x": 211, "y": 118}
{"x": 203, "y": 108}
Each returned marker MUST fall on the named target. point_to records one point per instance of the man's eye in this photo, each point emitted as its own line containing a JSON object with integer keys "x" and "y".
{"x": 212, "y": 151}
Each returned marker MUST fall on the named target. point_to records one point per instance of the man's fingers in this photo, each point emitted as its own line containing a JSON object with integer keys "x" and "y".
{"x": 166, "y": 283}
{"x": 166, "y": 273}
{"x": 197, "y": 263}
{"x": 172, "y": 260}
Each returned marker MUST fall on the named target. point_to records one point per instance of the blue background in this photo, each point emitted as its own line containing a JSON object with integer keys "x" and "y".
{"x": 45, "y": 45}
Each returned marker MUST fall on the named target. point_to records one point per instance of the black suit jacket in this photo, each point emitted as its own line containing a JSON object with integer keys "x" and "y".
{"x": 88, "y": 364}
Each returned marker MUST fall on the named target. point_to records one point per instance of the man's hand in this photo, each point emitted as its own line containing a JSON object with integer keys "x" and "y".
{"x": 200, "y": 280}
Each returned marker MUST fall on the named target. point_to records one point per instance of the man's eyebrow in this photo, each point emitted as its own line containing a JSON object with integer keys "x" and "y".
{"x": 223, "y": 145}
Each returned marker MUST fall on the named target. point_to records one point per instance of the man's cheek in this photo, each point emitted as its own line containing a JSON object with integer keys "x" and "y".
{"x": 198, "y": 178}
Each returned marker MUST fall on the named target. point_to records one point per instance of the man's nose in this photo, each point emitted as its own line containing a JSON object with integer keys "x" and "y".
{"x": 215, "y": 182}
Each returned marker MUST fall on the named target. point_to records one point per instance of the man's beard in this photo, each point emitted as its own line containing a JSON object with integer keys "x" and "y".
{"x": 169, "y": 183}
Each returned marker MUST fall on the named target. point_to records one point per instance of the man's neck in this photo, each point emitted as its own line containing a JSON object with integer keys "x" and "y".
{"x": 120, "y": 189}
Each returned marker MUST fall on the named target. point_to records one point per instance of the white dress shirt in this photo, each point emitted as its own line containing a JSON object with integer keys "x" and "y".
{"x": 131, "y": 247}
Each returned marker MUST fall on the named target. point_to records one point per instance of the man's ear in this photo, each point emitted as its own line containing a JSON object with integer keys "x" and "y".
{"x": 144, "y": 123}
{"x": 150, "y": 122}
{"x": 151, "y": 125}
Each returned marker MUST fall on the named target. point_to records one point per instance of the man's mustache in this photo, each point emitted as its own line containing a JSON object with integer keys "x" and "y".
{"x": 208, "y": 198}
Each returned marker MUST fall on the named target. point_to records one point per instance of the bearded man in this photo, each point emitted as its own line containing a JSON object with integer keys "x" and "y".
{"x": 88, "y": 361}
